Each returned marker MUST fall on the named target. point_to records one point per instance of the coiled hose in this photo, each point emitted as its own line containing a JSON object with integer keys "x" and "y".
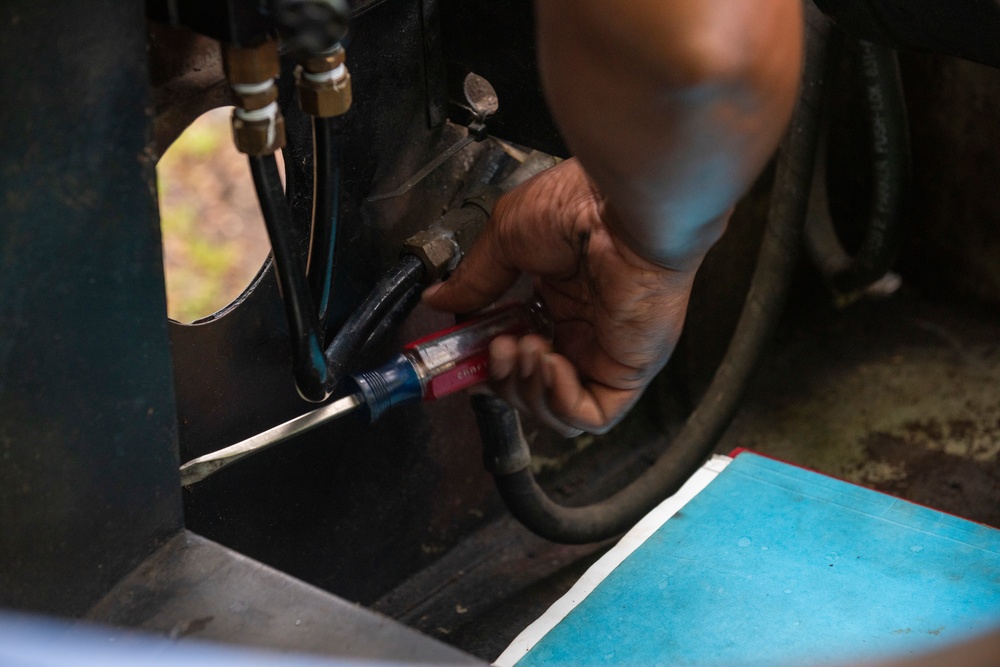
{"x": 890, "y": 153}
{"x": 506, "y": 451}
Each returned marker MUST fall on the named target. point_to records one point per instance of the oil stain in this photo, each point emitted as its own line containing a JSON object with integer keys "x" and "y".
{"x": 941, "y": 465}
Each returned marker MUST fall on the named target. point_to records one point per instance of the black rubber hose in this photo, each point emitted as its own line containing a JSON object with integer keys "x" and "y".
{"x": 325, "y": 215}
{"x": 398, "y": 291}
{"x": 311, "y": 376}
{"x": 888, "y": 134}
{"x": 343, "y": 350}
{"x": 507, "y": 453}
{"x": 391, "y": 321}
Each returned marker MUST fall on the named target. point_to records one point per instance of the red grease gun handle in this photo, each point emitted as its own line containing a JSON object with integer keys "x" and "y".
{"x": 458, "y": 358}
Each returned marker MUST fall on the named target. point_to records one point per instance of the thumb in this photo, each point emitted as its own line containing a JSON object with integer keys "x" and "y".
{"x": 481, "y": 277}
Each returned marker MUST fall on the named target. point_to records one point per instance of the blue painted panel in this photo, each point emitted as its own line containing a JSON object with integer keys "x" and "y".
{"x": 772, "y": 564}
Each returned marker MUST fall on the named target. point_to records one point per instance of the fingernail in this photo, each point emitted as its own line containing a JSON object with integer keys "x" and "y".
{"x": 528, "y": 364}
{"x": 500, "y": 366}
{"x": 431, "y": 291}
{"x": 547, "y": 371}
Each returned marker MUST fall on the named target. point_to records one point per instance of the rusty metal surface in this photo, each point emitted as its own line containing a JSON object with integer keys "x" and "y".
{"x": 194, "y": 588}
{"x": 186, "y": 75}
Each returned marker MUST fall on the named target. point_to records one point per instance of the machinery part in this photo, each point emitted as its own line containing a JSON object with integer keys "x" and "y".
{"x": 311, "y": 375}
{"x": 490, "y": 162}
{"x": 889, "y": 144}
{"x": 191, "y": 588}
{"x": 233, "y": 369}
{"x": 228, "y": 21}
{"x": 88, "y": 479}
{"x": 324, "y": 84}
{"x": 443, "y": 244}
{"x": 392, "y": 320}
{"x": 480, "y": 101}
{"x": 474, "y": 31}
{"x": 251, "y": 64}
{"x": 534, "y": 164}
{"x": 186, "y": 78}
{"x": 308, "y": 27}
{"x": 355, "y": 332}
{"x": 427, "y": 256}
{"x": 430, "y": 368}
{"x": 443, "y": 157}
{"x": 259, "y": 133}
{"x": 258, "y": 126}
{"x": 967, "y": 29}
{"x": 506, "y": 451}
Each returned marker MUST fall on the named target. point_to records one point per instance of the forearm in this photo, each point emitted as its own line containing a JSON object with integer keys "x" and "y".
{"x": 672, "y": 107}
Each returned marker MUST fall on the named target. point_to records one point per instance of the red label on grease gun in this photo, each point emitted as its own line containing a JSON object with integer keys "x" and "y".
{"x": 458, "y": 358}
{"x": 466, "y": 373}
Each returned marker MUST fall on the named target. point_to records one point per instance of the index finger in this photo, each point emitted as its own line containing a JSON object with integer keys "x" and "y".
{"x": 480, "y": 278}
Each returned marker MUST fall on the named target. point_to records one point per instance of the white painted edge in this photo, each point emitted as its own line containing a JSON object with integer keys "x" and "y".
{"x": 639, "y": 533}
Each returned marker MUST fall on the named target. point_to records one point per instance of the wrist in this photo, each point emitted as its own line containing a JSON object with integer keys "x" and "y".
{"x": 669, "y": 246}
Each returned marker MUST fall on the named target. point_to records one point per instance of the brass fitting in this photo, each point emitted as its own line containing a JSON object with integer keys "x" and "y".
{"x": 258, "y": 126}
{"x": 258, "y": 137}
{"x": 251, "y": 64}
{"x": 324, "y": 62}
{"x": 440, "y": 246}
{"x": 247, "y": 98}
{"x": 324, "y": 85}
{"x": 438, "y": 253}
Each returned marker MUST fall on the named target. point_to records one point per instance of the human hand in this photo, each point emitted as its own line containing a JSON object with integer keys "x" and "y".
{"x": 617, "y": 315}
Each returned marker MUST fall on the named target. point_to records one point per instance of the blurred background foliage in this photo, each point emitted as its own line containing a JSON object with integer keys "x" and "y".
{"x": 214, "y": 241}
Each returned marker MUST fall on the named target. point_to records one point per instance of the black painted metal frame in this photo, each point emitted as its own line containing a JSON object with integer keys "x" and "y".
{"x": 91, "y": 519}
